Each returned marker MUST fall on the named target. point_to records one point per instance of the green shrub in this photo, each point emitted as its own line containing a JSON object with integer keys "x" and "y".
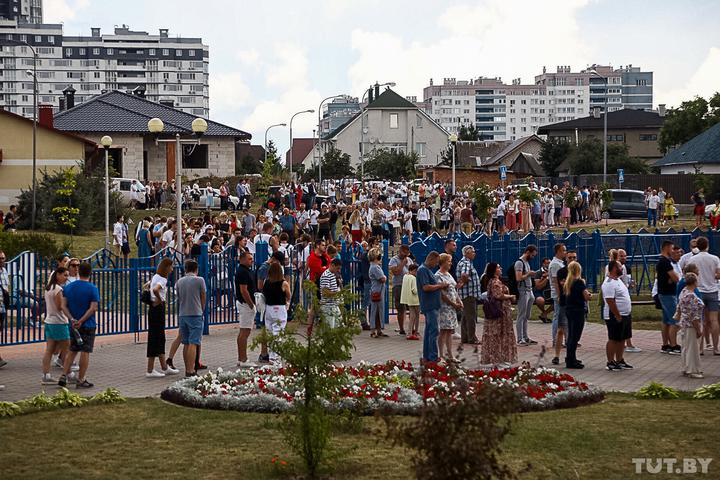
{"x": 9, "y": 409}
{"x": 657, "y": 391}
{"x": 111, "y": 395}
{"x": 44, "y": 244}
{"x": 39, "y": 401}
{"x": 708, "y": 392}
{"x": 65, "y": 398}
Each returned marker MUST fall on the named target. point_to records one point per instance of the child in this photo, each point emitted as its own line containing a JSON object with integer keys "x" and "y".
{"x": 409, "y": 298}
{"x": 689, "y": 316}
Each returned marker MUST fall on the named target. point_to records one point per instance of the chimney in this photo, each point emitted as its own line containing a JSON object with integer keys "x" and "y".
{"x": 45, "y": 115}
{"x": 69, "y": 93}
{"x": 661, "y": 110}
{"x": 370, "y": 95}
{"x": 95, "y": 32}
{"x": 139, "y": 91}
{"x": 377, "y": 90}
{"x": 163, "y": 33}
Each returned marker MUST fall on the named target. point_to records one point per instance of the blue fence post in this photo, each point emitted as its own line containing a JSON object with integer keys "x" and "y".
{"x": 134, "y": 287}
{"x": 386, "y": 271}
{"x": 204, "y": 270}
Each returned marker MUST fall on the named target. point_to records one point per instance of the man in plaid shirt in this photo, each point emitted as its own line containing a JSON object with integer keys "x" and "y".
{"x": 468, "y": 288}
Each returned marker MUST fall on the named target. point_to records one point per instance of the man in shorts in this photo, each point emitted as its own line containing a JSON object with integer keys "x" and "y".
{"x": 80, "y": 299}
{"x": 245, "y": 288}
{"x": 667, "y": 280}
{"x": 191, "y": 296}
{"x": 617, "y": 310}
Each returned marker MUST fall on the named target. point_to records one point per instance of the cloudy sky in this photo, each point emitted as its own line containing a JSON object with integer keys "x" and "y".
{"x": 270, "y": 59}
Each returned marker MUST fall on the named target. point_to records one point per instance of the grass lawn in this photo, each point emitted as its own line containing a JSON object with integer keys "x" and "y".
{"x": 147, "y": 438}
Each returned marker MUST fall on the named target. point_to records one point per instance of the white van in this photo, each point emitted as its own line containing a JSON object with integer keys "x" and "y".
{"x": 125, "y": 187}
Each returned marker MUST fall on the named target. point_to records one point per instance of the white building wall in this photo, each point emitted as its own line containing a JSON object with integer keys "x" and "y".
{"x": 710, "y": 169}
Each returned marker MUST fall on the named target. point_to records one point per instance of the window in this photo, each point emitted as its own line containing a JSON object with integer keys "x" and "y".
{"x": 641, "y": 82}
{"x": 419, "y": 121}
{"x": 420, "y": 149}
{"x": 178, "y": 53}
{"x": 96, "y": 74}
{"x": 151, "y": 51}
{"x": 616, "y": 138}
{"x": 96, "y": 51}
{"x": 82, "y": 51}
{"x": 109, "y": 51}
{"x": 195, "y": 156}
{"x": 38, "y": 38}
{"x": 51, "y": 40}
{"x": 68, "y": 52}
{"x": 191, "y": 53}
{"x": 166, "y": 52}
{"x": 648, "y": 137}
{"x": 394, "y": 120}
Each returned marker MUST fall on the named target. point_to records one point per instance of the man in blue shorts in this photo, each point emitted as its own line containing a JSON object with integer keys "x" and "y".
{"x": 191, "y": 296}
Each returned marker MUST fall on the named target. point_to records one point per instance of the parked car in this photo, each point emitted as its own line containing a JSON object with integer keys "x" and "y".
{"x": 627, "y": 204}
{"x": 123, "y": 187}
{"x": 233, "y": 201}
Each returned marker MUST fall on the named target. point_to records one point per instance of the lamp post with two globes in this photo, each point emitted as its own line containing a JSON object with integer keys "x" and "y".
{"x": 106, "y": 143}
{"x": 199, "y": 127}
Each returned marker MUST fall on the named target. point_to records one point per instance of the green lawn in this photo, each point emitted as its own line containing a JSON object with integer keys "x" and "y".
{"x": 147, "y": 438}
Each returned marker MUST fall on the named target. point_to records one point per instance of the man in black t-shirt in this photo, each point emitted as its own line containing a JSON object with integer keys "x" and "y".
{"x": 245, "y": 288}
{"x": 324, "y": 223}
{"x": 667, "y": 279}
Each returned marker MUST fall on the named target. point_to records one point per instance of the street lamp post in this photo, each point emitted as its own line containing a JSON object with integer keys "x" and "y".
{"x": 106, "y": 142}
{"x": 363, "y": 127}
{"x": 266, "y": 134}
{"x": 605, "y": 115}
{"x": 290, "y": 156}
{"x": 453, "y": 140}
{"x": 199, "y": 127}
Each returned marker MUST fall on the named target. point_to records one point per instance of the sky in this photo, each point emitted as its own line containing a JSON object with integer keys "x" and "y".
{"x": 270, "y": 59}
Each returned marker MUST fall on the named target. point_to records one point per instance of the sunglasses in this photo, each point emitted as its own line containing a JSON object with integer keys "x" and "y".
{"x": 74, "y": 264}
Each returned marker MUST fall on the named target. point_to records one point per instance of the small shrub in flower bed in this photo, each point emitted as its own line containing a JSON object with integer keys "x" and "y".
{"x": 396, "y": 387}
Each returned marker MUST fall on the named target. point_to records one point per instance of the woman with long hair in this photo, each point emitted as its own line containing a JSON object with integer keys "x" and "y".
{"x": 57, "y": 331}
{"x": 277, "y": 301}
{"x": 156, "y": 321}
{"x": 498, "y": 340}
{"x": 577, "y": 296}
{"x": 357, "y": 225}
{"x": 450, "y": 305}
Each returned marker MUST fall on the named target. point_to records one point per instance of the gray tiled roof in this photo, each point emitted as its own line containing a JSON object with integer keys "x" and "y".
{"x": 124, "y": 113}
{"x": 702, "y": 149}
{"x": 625, "y": 118}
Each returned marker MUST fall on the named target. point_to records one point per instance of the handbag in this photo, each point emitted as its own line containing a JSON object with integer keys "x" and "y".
{"x": 145, "y": 296}
{"x": 375, "y": 296}
{"x": 492, "y": 308}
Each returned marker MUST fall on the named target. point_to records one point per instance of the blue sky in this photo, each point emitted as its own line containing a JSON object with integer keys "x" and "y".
{"x": 270, "y": 59}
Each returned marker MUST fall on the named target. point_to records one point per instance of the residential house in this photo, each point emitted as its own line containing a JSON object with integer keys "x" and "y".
{"x": 700, "y": 153}
{"x": 135, "y": 153}
{"x": 55, "y": 149}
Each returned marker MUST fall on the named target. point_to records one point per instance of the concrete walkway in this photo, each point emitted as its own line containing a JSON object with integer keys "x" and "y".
{"x": 119, "y": 362}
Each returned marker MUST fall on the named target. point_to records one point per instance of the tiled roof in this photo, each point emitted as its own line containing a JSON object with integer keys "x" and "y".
{"x": 702, "y": 149}
{"x": 390, "y": 99}
{"x": 625, "y": 118}
{"x": 125, "y": 113}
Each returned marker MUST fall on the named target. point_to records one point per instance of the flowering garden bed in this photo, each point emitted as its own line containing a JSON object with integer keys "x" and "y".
{"x": 392, "y": 386}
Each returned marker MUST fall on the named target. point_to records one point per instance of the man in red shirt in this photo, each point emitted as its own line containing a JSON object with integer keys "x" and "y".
{"x": 318, "y": 260}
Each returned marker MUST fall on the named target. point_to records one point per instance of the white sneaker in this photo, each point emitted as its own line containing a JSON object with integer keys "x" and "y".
{"x": 456, "y": 336}
{"x": 170, "y": 371}
{"x": 57, "y": 362}
{"x": 247, "y": 364}
{"x": 74, "y": 367}
{"x": 47, "y": 379}
{"x": 154, "y": 374}
{"x": 633, "y": 349}
{"x": 72, "y": 377}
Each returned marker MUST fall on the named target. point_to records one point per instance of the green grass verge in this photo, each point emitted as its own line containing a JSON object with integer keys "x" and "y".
{"x": 147, "y": 438}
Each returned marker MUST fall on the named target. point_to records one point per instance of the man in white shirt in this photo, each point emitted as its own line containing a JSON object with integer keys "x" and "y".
{"x": 423, "y": 218}
{"x": 617, "y": 310}
{"x": 555, "y": 265}
{"x": 687, "y": 256}
{"x": 119, "y": 234}
{"x": 708, "y": 275}
{"x": 313, "y": 215}
{"x": 167, "y": 237}
{"x": 652, "y": 205}
{"x": 303, "y": 217}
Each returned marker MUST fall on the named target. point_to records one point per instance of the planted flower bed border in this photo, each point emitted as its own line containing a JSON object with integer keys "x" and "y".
{"x": 396, "y": 387}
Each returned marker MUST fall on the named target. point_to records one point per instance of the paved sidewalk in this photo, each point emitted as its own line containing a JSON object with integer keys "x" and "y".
{"x": 118, "y": 362}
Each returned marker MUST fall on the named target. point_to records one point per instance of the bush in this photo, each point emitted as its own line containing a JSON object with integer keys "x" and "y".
{"x": 657, "y": 391}
{"x": 87, "y": 196}
{"x": 65, "y": 398}
{"x": 44, "y": 244}
{"x": 9, "y": 409}
{"x": 708, "y": 392}
{"x": 109, "y": 396}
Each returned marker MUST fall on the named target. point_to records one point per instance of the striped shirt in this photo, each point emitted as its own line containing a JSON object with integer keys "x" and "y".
{"x": 329, "y": 281}
{"x": 472, "y": 287}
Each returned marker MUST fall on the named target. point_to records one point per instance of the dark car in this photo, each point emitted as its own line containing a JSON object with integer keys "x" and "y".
{"x": 627, "y": 204}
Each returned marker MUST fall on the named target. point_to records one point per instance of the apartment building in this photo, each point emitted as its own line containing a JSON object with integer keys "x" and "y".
{"x": 24, "y": 11}
{"x": 508, "y": 112}
{"x": 170, "y": 70}
{"x": 337, "y": 112}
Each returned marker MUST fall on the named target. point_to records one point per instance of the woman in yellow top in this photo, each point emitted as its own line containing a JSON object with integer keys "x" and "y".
{"x": 669, "y": 215}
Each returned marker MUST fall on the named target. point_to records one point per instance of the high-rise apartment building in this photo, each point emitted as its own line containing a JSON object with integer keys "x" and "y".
{"x": 508, "y": 112}
{"x": 169, "y": 70}
{"x": 337, "y": 112}
{"x": 24, "y": 11}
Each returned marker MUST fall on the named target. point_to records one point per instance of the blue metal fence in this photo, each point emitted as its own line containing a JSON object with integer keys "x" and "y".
{"x": 120, "y": 282}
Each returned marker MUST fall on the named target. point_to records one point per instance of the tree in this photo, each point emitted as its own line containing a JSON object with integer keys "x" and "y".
{"x": 469, "y": 134}
{"x": 270, "y": 169}
{"x": 386, "y": 164}
{"x": 689, "y": 120}
{"x": 247, "y": 165}
{"x": 552, "y": 154}
{"x": 587, "y": 158}
{"x": 336, "y": 164}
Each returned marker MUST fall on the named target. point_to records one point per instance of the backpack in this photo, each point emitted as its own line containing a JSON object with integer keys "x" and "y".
{"x": 512, "y": 282}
